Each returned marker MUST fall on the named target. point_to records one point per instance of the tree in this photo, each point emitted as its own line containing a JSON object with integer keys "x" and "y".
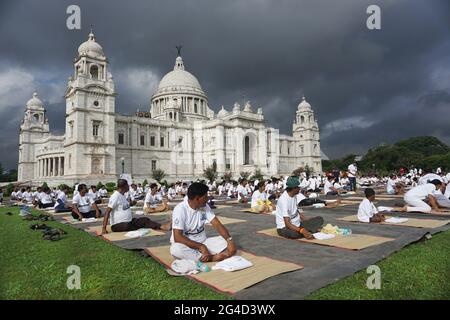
{"x": 257, "y": 175}
{"x": 110, "y": 186}
{"x": 297, "y": 172}
{"x": 210, "y": 173}
{"x": 145, "y": 183}
{"x": 99, "y": 185}
{"x": 227, "y": 176}
{"x": 245, "y": 174}
{"x": 158, "y": 174}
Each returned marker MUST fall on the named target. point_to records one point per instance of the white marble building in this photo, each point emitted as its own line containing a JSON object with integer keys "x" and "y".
{"x": 181, "y": 134}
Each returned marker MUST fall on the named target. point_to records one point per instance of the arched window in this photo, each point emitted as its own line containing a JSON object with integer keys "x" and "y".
{"x": 302, "y": 119}
{"x": 310, "y": 118}
{"x": 247, "y": 150}
{"x": 94, "y": 72}
{"x": 35, "y": 118}
{"x": 170, "y": 115}
{"x": 195, "y": 108}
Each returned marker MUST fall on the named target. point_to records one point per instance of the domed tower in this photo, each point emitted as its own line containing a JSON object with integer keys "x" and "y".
{"x": 34, "y": 126}
{"x": 90, "y": 114}
{"x": 179, "y": 96}
{"x": 306, "y": 134}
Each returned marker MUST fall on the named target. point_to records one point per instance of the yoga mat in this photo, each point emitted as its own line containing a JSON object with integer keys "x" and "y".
{"x": 221, "y": 206}
{"x": 60, "y": 213}
{"x": 232, "y": 282}
{"x": 416, "y": 223}
{"x": 118, "y": 236}
{"x": 225, "y": 220}
{"x": 352, "y": 242}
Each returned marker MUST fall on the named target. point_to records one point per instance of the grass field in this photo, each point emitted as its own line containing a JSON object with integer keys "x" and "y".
{"x": 31, "y": 268}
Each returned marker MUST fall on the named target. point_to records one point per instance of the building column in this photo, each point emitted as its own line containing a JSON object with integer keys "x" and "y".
{"x": 57, "y": 166}
{"x": 46, "y": 167}
{"x": 62, "y": 166}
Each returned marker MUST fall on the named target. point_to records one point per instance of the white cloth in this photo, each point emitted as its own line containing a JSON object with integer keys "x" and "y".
{"x": 396, "y": 220}
{"x": 242, "y": 190}
{"x": 234, "y": 263}
{"x": 429, "y": 177}
{"x": 89, "y": 219}
{"x": 323, "y": 236}
{"x": 352, "y": 171}
{"x": 287, "y": 207}
{"x": 191, "y": 221}
{"x": 120, "y": 208}
{"x": 327, "y": 186}
{"x": 137, "y": 233}
{"x": 184, "y": 266}
{"x": 181, "y": 251}
{"x": 366, "y": 210}
{"x": 381, "y": 208}
{"x": 46, "y": 198}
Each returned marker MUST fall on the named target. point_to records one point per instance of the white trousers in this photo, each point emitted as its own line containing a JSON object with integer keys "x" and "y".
{"x": 415, "y": 204}
{"x": 181, "y": 251}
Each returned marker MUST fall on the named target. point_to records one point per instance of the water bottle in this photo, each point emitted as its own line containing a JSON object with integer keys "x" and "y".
{"x": 202, "y": 267}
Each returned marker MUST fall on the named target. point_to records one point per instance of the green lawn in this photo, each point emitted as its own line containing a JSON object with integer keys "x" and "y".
{"x": 419, "y": 271}
{"x": 32, "y": 268}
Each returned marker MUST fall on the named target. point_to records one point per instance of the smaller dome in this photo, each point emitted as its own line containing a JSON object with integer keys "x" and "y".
{"x": 304, "y": 105}
{"x": 91, "y": 47}
{"x": 35, "y": 101}
{"x": 222, "y": 113}
{"x": 236, "y": 107}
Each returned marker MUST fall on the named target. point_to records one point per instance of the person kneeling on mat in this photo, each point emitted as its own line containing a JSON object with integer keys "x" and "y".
{"x": 154, "y": 202}
{"x": 121, "y": 217}
{"x": 291, "y": 223}
{"x": 189, "y": 239}
{"x": 83, "y": 205}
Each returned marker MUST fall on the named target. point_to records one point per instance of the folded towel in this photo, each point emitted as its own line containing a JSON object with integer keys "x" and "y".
{"x": 139, "y": 212}
{"x": 88, "y": 219}
{"x": 381, "y": 208}
{"x": 233, "y": 263}
{"x": 323, "y": 236}
{"x": 396, "y": 220}
{"x": 184, "y": 266}
{"x": 137, "y": 233}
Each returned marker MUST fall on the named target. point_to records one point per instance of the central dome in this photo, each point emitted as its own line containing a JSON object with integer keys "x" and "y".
{"x": 179, "y": 79}
{"x": 91, "y": 47}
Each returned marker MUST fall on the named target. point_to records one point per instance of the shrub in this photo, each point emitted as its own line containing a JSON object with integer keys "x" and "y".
{"x": 158, "y": 174}
{"x": 110, "y": 186}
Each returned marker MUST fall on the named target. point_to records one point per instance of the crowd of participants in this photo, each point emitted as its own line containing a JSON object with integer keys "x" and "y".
{"x": 284, "y": 196}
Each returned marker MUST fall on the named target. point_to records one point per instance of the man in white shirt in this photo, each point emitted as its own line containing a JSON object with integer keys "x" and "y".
{"x": 46, "y": 200}
{"x": 416, "y": 196}
{"x": 291, "y": 223}
{"x": 188, "y": 240}
{"x": 83, "y": 206}
{"x": 27, "y": 196}
{"x": 352, "y": 170}
{"x": 61, "y": 201}
{"x": 94, "y": 194}
{"x": 242, "y": 192}
{"x": 154, "y": 202}
{"x": 121, "y": 216}
{"x": 367, "y": 212}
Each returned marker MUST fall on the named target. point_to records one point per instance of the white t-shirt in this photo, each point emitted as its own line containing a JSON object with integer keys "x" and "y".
{"x": 390, "y": 186}
{"x": 352, "y": 171}
{"x": 312, "y": 183}
{"x": 191, "y": 221}
{"x": 121, "y": 211}
{"x": 258, "y": 196}
{"x": 447, "y": 191}
{"x": 84, "y": 204}
{"x": 93, "y": 195}
{"x": 327, "y": 187}
{"x": 421, "y": 191}
{"x": 429, "y": 177}
{"x": 27, "y": 196}
{"x": 153, "y": 200}
{"x": 61, "y": 196}
{"x": 46, "y": 198}
{"x": 366, "y": 210}
{"x": 243, "y": 190}
{"x": 287, "y": 207}
{"x": 300, "y": 196}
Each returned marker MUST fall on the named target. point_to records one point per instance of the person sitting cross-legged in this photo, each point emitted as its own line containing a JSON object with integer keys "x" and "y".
{"x": 83, "y": 206}
{"x": 121, "y": 216}
{"x": 291, "y": 223}
{"x": 189, "y": 239}
{"x": 154, "y": 201}
{"x": 61, "y": 204}
{"x": 260, "y": 200}
{"x": 46, "y": 200}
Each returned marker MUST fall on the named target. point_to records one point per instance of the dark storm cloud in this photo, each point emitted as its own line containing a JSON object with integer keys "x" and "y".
{"x": 365, "y": 86}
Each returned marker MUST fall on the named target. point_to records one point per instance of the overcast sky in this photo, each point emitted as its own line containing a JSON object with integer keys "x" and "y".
{"x": 365, "y": 86}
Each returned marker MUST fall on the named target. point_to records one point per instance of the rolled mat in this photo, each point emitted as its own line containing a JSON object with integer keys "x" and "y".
{"x": 118, "y": 236}
{"x": 351, "y": 242}
{"x": 416, "y": 223}
{"x": 232, "y": 282}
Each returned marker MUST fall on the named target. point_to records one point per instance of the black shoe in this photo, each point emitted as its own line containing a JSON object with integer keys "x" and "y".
{"x": 9, "y": 213}
{"x": 39, "y": 226}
